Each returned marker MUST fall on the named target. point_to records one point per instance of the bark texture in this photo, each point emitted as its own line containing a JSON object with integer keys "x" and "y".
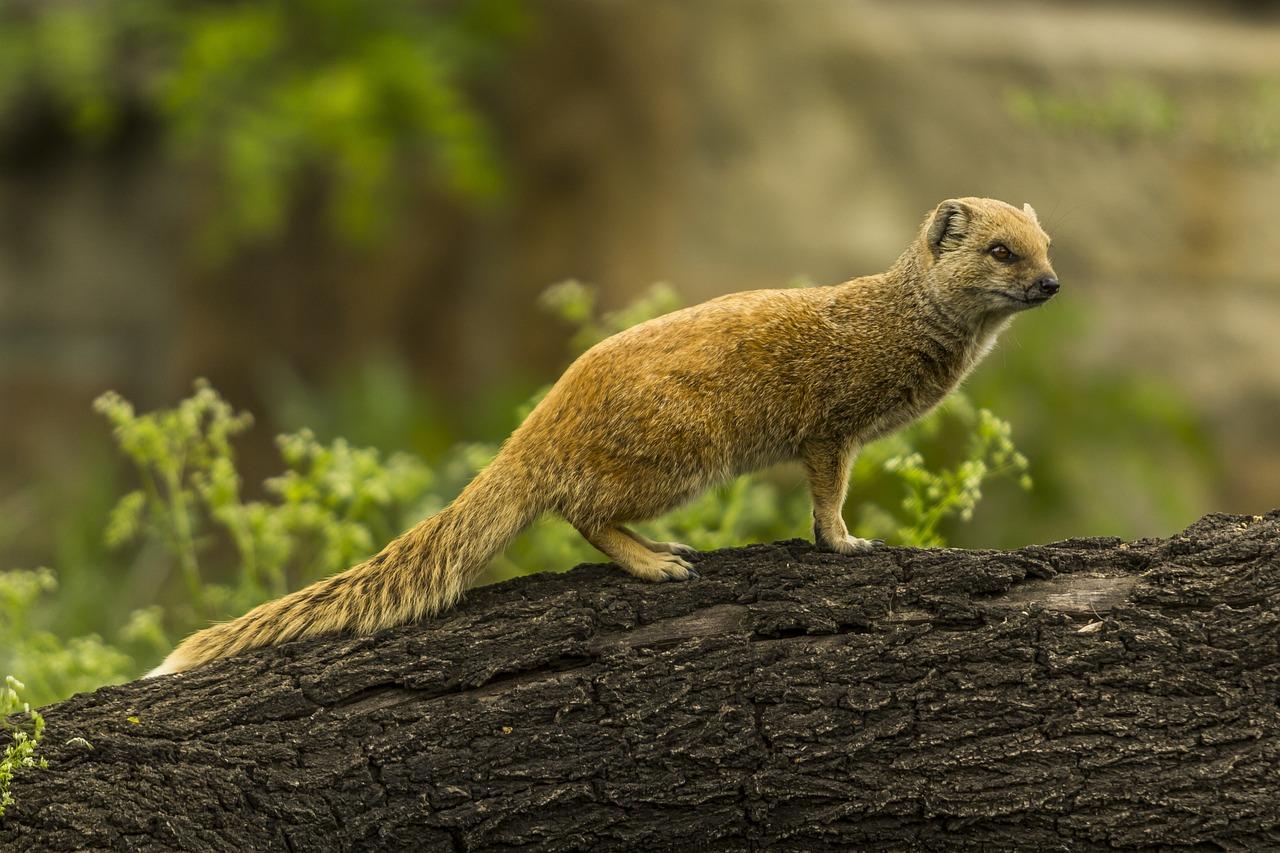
{"x": 1089, "y": 694}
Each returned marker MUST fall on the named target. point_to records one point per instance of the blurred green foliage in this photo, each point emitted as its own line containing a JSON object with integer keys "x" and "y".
{"x": 372, "y": 402}
{"x": 1115, "y": 453}
{"x": 1252, "y": 128}
{"x": 1246, "y": 124}
{"x": 335, "y": 504}
{"x": 332, "y": 505}
{"x": 52, "y": 666}
{"x": 21, "y": 751}
{"x": 368, "y": 99}
{"x": 1127, "y": 108}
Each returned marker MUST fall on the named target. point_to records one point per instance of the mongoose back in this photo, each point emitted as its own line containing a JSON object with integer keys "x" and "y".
{"x": 650, "y": 417}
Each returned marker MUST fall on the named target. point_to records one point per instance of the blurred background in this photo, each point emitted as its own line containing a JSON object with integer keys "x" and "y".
{"x": 343, "y": 212}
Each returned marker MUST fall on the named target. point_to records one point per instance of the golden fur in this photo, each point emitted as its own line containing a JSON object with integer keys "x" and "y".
{"x": 652, "y": 416}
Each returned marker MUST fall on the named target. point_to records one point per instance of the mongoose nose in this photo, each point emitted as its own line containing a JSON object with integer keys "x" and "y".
{"x": 1048, "y": 284}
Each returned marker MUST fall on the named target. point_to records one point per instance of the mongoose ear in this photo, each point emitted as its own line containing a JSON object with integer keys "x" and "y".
{"x": 947, "y": 229}
{"x": 1030, "y": 211}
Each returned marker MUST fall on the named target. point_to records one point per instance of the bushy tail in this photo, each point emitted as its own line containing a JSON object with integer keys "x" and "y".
{"x": 420, "y": 573}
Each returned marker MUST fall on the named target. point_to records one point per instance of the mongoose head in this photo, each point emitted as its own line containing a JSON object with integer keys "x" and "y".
{"x": 986, "y": 258}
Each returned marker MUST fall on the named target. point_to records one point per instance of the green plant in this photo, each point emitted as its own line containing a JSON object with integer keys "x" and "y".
{"x": 332, "y": 505}
{"x": 21, "y": 752}
{"x": 933, "y": 496}
{"x": 51, "y": 666}
{"x": 575, "y": 303}
{"x": 183, "y": 457}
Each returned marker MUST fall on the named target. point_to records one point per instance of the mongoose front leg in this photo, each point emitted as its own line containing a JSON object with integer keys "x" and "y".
{"x": 827, "y": 464}
{"x": 636, "y": 558}
{"x": 660, "y": 547}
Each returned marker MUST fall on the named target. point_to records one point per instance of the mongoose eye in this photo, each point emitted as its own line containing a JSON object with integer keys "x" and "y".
{"x": 1002, "y": 254}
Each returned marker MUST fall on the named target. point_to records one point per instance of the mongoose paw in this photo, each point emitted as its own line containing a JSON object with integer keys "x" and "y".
{"x": 664, "y": 567}
{"x": 852, "y": 545}
{"x": 678, "y": 569}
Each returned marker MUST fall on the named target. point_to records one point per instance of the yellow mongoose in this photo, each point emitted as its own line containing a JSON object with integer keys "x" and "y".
{"x": 652, "y": 416}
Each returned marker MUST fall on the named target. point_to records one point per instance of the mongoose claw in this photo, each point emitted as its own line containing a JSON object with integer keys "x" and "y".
{"x": 680, "y": 572}
{"x": 677, "y": 568}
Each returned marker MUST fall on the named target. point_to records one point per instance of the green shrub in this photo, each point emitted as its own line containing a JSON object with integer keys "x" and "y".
{"x": 332, "y": 506}
{"x": 21, "y": 751}
{"x": 52, "y": 667}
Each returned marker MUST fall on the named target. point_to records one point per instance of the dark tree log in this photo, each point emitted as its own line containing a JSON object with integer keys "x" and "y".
{"x": 1088, "y": 694}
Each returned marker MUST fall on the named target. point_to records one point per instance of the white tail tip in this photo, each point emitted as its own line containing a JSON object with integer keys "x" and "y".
{"x": 170, "y": 665}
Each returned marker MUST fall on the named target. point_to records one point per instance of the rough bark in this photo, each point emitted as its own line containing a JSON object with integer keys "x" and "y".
{"x": 1087, "y": 694}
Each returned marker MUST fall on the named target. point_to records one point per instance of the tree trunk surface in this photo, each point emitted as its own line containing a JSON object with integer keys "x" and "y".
{"x": 1089, "y": 694}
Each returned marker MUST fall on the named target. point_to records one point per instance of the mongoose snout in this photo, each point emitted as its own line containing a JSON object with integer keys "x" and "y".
{"x": 654, "y": 415}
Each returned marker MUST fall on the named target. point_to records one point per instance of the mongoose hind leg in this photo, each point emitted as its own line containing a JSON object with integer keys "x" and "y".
{"x": 676, "y": 548}
{"x": 637, "y": 559}
{"x": 827, "y": 464}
